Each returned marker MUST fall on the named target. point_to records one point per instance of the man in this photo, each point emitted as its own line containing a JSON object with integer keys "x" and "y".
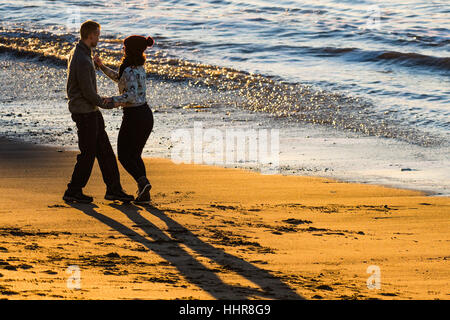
{"x": 93, "y": 140}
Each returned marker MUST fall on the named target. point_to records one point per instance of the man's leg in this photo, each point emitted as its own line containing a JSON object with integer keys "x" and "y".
{"x": 106, "y": 157}
{"x": 108, "y": 164}
{"x": 87, "y": 130}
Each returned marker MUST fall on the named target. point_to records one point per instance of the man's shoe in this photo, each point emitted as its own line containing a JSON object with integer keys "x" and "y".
{"x": 77, "y": 196}
{"x": 119, "y": 195}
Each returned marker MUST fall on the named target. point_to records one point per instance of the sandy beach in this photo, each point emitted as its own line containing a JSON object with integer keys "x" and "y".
{"x": 215, "y": 233}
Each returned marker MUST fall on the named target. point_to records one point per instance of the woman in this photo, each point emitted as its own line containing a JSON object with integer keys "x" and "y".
{"x": 137, "y": 121}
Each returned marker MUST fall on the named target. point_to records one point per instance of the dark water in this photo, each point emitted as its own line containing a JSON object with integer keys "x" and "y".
{"x": 327, "y": 62}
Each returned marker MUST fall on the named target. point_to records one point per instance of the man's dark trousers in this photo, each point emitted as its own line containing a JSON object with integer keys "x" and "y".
{"x": 94, "y": 143}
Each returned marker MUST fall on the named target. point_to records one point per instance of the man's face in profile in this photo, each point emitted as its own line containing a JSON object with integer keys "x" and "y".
{"x": 94, "y": 37}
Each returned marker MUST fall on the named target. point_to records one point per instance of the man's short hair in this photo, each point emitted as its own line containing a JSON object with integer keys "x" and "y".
{"x": 87, "y": 28}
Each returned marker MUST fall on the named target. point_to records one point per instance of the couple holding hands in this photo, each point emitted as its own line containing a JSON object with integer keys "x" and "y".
{"x": 137, "y": 121}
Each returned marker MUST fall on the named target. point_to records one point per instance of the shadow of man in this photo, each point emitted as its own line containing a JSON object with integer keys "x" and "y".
{"x": 194, "y": 272}
{"x": 273, "y": 287}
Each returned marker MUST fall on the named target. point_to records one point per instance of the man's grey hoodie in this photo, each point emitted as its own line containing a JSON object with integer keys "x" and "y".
{"x": 81, "y": 81}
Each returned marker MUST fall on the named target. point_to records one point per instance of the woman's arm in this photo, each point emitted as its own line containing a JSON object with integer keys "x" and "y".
{"x": 113, "y": 75}
{"x": 131, "y": 89}
{"x": 110, "y": 73}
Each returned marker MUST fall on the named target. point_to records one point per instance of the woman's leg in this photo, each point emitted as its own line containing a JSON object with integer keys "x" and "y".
{"x": 134, "y": 132}
{"x": 145, "y": 129}
{"x": 126, "y": 144}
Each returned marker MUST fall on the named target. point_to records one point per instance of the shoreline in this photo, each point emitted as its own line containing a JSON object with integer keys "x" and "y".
{"x": 305, "y": 148}
{"x": 252, "y": 169}
{"x": 233, "y": 236}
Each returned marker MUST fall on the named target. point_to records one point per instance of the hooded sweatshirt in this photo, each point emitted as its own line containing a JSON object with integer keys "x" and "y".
{"x": 81, "y": 81}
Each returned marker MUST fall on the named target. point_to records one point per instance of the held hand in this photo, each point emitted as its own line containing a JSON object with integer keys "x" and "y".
{"x": 106, "y": 100}
{"x": 98, "y": 61}
{"x": 108, "y": 103}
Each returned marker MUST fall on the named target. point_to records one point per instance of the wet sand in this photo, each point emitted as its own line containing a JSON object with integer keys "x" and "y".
{"x": 215, "y": 233}
{"x": 39, "y": 115}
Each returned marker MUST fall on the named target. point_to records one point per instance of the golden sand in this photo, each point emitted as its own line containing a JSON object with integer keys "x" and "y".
{"x": 215, "y": 233}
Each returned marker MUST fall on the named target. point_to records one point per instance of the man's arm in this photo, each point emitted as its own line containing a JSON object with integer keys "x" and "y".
{"x": 85, "y": 84}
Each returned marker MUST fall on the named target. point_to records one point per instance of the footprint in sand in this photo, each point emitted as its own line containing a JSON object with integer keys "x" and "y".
{"x": 325, "y": 287}
{"x": 57, "y": 206}
{"x": 7, "y": 266}
{"x": 33, "y": 246}
{"x": 50, "y": 272}
{"x": 297, "y": 221}
{"x": 6, "y": 292}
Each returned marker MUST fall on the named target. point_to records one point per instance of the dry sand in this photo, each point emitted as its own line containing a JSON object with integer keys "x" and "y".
{"x": 215, "y": 233}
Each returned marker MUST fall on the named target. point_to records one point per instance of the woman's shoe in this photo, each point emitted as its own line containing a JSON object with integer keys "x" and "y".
{"x": 143, "y": 194}
{"x": 143, "y": 199}
{"x": 143, "y": 186}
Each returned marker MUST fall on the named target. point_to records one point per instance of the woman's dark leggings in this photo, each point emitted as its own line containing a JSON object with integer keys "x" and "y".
{"x": 137, "y": 124}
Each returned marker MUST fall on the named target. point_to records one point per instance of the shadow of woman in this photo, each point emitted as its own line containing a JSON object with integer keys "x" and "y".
{"x": 194, "y": 272}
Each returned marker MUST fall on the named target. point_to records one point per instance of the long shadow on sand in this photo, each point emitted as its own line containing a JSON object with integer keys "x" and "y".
{"x": 170, "y": 249}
